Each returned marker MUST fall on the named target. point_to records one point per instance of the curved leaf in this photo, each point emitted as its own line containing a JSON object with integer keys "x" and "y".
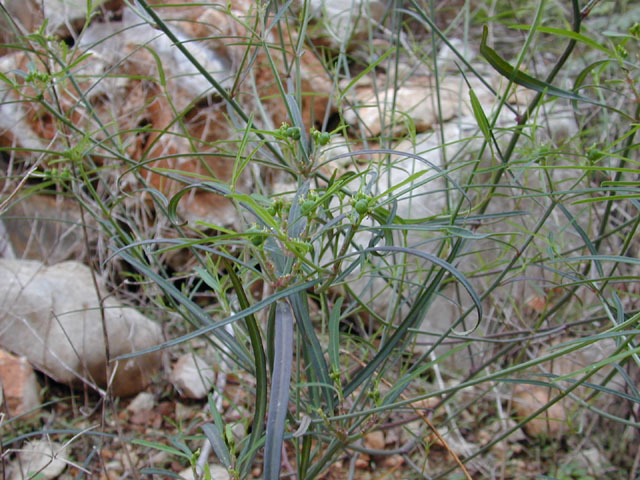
{"x": 524, "y": 80}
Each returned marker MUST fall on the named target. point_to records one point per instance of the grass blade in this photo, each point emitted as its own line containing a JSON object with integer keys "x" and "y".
{"x": 506, "y": 70}
{"x": 279, "y": 398}
{"x": 217, "y": 443}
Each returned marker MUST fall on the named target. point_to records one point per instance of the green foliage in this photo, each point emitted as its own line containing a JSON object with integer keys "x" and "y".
{"x": 326, "y": 364}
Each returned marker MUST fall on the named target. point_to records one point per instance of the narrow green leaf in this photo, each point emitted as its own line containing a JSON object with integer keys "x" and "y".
{"x": 585, "y": 238}
{"x": 334, "y": 335}
{"x": 418, "y": 310}
{"x": 598, "y": 258}
{"x": 570, "y": 34}
{"x": 160, "y": 446}
{"x": 312, "y": 345}
{"x": 481, "y": 118}
{"x": 433, "y": 259}
{"x": 161, "y": 78}
{"x": 258, "y": 210}
{"x": 161, "y": 472}
{"x": 527, "y": 81}
{"x": 600, "y": 364}
{"x": 242, "y": 160}
{"x": 298, "y": 222}
{"x": 6, "y": 80}
{"x": 606, "y": 199}
{"x": 211, "y": 327}
{"x": 214, "y": 435}
{"x": 194, "y": 309}
{"x": 365, "y": 72}
{"x": 280, "y": 387}
{"x": 249, "y": 450}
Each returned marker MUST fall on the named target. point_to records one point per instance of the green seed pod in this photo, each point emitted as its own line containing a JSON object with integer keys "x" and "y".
{"x": 362, "y": 206}
{"x": 307, "y": 206}
{"x": 293, "y": 133}
{"x": 283, "y": 129}
{"x": 258, "y": 237}
{"x": 300, "y": 247}
{"x": 323, "y": 138}
{"x": 593, "y": 154}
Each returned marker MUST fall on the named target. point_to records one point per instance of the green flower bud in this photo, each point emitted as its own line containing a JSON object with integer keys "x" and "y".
{"x": 593, "y": 154}
{"x": 362, "y": 206}
{"x": 621, "y": 51}
{"x": 293, "y": 133}
{"x": 283, "y": 129}
{"x": 307, "y": 206}
{"x": 257, "y": 236}
{"x": 323, "y": 139}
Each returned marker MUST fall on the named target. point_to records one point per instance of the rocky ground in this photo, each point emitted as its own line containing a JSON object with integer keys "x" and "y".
{"x": 67, "y": 305}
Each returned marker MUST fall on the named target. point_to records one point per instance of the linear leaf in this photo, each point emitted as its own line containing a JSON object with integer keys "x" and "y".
{"x": 433, "y": 259}
{"x": 160, "y": 446}
{"x": 248, "y": 452}
{"x": 481, "y": 118}
{"x": 217, "y": 325}
{"x": 334, "y": 335}
{"x": 298, "y": 222}
{"x": 598, "y": 258}
{"x": 312, "y": 344}
{"x": 193, "y": 308}
{"x": 280, "y": 386}
{"x": 365, "y": 72}
{"x": 527, "y": 81}
{"x": 570, "y": 34}
{"x": 217, "y": 443}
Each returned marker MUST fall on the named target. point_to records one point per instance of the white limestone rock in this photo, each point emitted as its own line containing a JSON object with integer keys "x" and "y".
{"x": 343, "y": 20}
{"x": 218, "y": 472}
{"x": 52, "y": 316}
{"x": 42, "y": 458}
{"x": 142, "y": 401}
{"x": 192, "y": 376}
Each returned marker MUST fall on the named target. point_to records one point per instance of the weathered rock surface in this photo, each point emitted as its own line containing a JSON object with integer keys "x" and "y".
{"x": 142, "y": 401}
{"x": 19, "y": 384}
{"x": 192, "y": 376}
{"x": 559, "y": 418}
{"x": 46, "y": 228}
{"x": 39, "y": 457}
{"x": 6, "y": 249}
{"x": 51, "y": 315}
{"x": 218, "y": 472}
{"x": 339, "y": 21}
{"x": 183, "y": 126}
{"x": 415, "y": 101}
{"x": 60, "y": 14}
